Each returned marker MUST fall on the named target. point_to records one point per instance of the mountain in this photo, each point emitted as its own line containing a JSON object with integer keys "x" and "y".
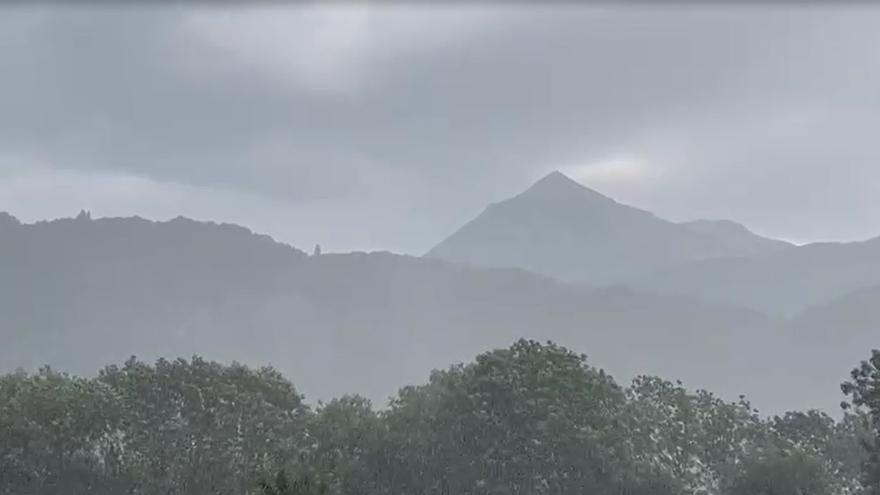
{"x": 832, "y": 337}
{"x": 783, "y": 282}
{"x": 560, "y": 228}
{"x": 80, "y": 293}
{"x": 739, "y": 239}
{"x": 858, "y": 312}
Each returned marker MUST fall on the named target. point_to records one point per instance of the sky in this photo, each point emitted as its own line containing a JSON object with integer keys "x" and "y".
{"x": 385, "y": 127}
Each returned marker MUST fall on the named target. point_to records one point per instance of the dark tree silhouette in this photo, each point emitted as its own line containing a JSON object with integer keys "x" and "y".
{"x": 282, "y": 485}
{"x": 864, "y": 392}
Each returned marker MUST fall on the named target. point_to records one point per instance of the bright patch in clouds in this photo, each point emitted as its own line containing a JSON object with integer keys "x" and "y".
{"x": 335, "y": 48}
{"x": 612, "y": 173}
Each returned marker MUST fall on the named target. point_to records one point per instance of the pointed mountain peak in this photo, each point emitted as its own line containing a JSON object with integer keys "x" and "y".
{"x": 558, "y": 176}
{"x": 558, "y": 185}
{"x": 556, "y": 180}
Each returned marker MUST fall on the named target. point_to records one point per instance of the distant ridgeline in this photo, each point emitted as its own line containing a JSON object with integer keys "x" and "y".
{"x": 707, "y": 302}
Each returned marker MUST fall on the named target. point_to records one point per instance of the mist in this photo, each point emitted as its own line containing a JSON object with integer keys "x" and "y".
{"x": 388, "y": 249}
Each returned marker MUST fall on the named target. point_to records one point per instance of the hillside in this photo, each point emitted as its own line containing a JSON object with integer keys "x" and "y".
{"x": 77, "y": 292}
{"x": 739, "y": 240}
{"x": 782, "y": 283}
{"x": 560, "y": 228}
{"x": 829, "y": 339}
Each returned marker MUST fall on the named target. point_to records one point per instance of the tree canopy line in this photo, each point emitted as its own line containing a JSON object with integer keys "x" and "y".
{"x": 534, "y": 418}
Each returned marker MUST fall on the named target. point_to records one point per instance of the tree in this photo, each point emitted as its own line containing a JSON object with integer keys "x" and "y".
{"x": 179, "y": 427}
{"x": 199, "y": 427}
{"x": 864, "y": 393}
{"x": 281, "y": 485}
{"x": 776, "y": 473}
{"x": 347, "y": 434}
{"x": 57, "y": 435}
{"x": 834, "y": 444}
{"x": 531, "y": 419}
{"x": 694, "y": 437}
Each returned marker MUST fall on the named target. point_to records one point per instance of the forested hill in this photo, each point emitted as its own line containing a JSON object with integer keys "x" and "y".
{"x": 77, "y": 292}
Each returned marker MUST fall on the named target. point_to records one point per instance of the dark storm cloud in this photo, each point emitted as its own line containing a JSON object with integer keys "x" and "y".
{"x": 131, "y": 90}
{"x": 757, "y": 114}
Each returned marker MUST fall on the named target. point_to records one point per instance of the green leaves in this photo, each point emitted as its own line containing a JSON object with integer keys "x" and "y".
{"x": 347, "y": 434}
{"x": 693, "y": 437}
{"x": 187, "y": 427}
{"x": 212, "y": 427}
{"x": 777, "y": 473}
{"x": 56, "y": 433}
{"x": 531, "y": 419}
{"x": 300, "y": 486}
{"x": 713, "y": 446}
{"x": 864, "y": 392}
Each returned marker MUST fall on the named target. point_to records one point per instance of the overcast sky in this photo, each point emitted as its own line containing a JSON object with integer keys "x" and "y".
{"x": 365, "y": 127}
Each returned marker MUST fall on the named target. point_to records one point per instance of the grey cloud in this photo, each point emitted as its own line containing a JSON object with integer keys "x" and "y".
{"x": 448, "y": 130}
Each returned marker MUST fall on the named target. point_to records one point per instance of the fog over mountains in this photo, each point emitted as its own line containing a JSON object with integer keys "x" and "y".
{"x": 707, "y": 302}
{"x": 563, "y": 229}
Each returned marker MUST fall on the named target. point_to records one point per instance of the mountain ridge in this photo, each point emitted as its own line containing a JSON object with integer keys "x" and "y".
{"x": 74, "y": 293}
{"x": 781, "y": 282}
{"x": 561, "y": 228}
{"x": 80, "y": 291}
{"x": 733, "y": 232}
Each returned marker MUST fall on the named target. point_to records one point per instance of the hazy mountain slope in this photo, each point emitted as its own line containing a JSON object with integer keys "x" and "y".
{"x": 81, "y": 293}
{"x": 436, "y": 313}
{"x": 77, "y": 291}
{"x": 783, "y": 283}
{"x": 831, "y": 339}
{"x": 563, "y": 229}
{"x": 854, "y": 317}
{"x": 736, "y": 237}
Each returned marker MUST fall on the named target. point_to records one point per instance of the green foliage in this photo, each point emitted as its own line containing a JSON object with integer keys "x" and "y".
{"x": 281, "y": 485}
{"x": 57, "y": 434}
{"x": 776, "y": 473}
{"x": 864, "y": 392}
{"x": 181, "y": 427}
{"x": 833, "y": 444}
{"x": 696, "y": 438}
{"x": 530, "y": 419}
{"x": 349, "y": 433}
{"x": 214, "y": 427}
